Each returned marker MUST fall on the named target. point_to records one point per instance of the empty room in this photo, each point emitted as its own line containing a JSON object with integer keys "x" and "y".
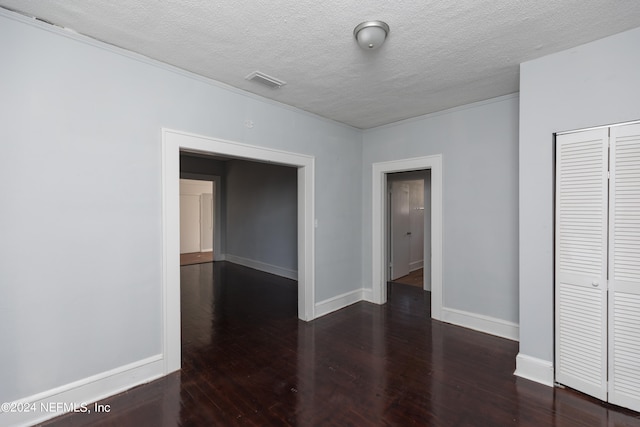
{"x": 422, "y": 213}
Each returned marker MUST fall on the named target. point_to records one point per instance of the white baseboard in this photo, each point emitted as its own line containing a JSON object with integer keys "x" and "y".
{"x": 367, "y": 295}
{"x": 263, "y": 266}
{"x": 340, "y": 301}
{"x": 534, "y": 369}
{"x": 479, "y": 322}
{"x": 416, "y": 265}
{"x": 83, "y": 393}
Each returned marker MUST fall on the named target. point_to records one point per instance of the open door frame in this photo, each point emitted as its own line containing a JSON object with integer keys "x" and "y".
{"x": 379, "y": 221}
{"x": 174, "y": 141}
{"x": 218, "y": 240}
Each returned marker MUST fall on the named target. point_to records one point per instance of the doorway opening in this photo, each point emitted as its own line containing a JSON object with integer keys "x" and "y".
{"x": 196, "y": 221}
{"x": 173, "y": 143}
{"x": 409, "y": 228}
{"x": 380, "y": 218}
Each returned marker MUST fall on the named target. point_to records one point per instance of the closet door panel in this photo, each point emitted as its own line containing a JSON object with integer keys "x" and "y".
{"x": 581, "y": 261}
{"x": 624, "y": 267}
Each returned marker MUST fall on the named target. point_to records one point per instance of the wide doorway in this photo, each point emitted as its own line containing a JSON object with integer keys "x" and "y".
{"x": 173, "y": 143}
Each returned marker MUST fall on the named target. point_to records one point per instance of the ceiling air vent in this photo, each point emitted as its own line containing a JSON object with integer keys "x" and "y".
{"x": 262, "y": 78}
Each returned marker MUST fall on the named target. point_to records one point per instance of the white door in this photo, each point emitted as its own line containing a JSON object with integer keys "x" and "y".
{"x": 206, "y": 219}
{"x": 624, "y": 267}
{"x": 400, "y": 230}
{"x": 581, "y": 261}
{"x": 189, "y": 223}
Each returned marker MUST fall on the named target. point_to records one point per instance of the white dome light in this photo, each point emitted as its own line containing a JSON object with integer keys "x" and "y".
{"x": 371, "y": 34}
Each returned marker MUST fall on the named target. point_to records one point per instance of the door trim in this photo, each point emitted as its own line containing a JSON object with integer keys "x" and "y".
{"x": 379, "y": 221}
{"x": 172, "y": 142}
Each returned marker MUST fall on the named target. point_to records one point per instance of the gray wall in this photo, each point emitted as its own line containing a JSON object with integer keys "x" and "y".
{"x": 594, "y": 84}
{"x": 479, "y": 144}
{"x": 262, "y": 213}
{"x": 259, "y": 208}
{"x": 81, "y": 123}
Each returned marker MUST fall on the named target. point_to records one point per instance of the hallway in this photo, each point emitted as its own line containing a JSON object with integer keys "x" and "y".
{"x": 415, "y": 278}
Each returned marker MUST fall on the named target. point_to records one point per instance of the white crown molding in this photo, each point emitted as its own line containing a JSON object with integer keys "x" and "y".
{"x": 71, "y": 34}
{"x": 476, "y": 104}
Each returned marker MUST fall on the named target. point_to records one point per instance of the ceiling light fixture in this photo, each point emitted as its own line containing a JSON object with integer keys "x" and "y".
{"x": 371, "y": 34}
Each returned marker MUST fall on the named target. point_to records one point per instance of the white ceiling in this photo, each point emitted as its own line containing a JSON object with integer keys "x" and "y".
{"x": 439, "y": 54}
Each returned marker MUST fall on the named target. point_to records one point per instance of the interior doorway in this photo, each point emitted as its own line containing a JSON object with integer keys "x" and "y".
{"x": 409, "y": 228}
{"x": 196, "y": 221}
{"x": 380, "y": 237}
{"x": 172, "y": 143}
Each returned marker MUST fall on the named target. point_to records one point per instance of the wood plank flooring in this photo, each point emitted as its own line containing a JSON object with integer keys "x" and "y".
{"x": 195, "y": 258}
{"x": 415, "y": 278}
{"x": 248, "y": 361}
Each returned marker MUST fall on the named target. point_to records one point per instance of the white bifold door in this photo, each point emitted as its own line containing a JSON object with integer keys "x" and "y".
{"x": 597, "y": 279}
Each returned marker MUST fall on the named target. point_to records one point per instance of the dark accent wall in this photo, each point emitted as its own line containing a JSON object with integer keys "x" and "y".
{"x": 201, "y": 165}
{"x": 261, "y": 207}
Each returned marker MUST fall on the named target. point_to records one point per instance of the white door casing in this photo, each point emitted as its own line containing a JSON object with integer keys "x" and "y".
{"x": 379, "y": 231}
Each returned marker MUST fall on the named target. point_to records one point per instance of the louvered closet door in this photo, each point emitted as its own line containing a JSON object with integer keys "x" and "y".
{"x": 581, "y": 261}
{"x": 624, "y": 267}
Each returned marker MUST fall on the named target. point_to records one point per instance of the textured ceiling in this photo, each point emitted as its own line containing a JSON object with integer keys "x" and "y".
{"x": 439, "y": 54}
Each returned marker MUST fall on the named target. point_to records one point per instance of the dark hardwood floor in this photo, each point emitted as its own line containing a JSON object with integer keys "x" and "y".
{"x": 195, "y": 258}
{"x": 415, "y": 278}
{"x": 248, "y": 361}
